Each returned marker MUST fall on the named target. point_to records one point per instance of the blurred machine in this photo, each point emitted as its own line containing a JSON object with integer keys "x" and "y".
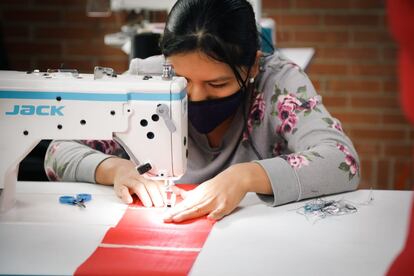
{"x": 137, "y": 40}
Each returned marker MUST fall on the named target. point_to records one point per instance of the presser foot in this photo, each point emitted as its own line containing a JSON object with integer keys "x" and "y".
{"x": 169, "y": 194}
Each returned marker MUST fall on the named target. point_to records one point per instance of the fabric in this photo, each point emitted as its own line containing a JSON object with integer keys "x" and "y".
{"x": 142, "y": 244}
{"x": 304, "y": 149}
{"x": 401, "y": 18}
{"x": 403, "y": 264}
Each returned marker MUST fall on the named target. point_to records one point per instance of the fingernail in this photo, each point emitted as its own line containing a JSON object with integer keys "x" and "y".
{"x": 167, "y": 218}
{"x": 177, "y": 219}
{"x": 211, "y": 218}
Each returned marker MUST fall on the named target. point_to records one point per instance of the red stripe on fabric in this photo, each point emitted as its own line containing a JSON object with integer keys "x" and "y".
{"x": 121, "y": 261}
{"x": 153, "y": 231}
{"x": 153, "y": 217}
{"x": 149, "y": 237}
{"x": 144, "y": 227}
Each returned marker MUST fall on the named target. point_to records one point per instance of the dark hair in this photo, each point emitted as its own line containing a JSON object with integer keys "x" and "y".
{"x": 224, "y": 30}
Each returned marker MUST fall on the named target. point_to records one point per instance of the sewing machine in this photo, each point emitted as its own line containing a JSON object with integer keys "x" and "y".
{"x": 147, "y": 115}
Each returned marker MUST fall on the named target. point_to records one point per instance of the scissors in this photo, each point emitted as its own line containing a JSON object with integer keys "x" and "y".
{"x": 79, "y": 200}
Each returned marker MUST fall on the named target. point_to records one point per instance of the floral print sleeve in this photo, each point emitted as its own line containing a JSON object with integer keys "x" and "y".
{"x": 308, "y": 153}
{"x": 77, "y": 160}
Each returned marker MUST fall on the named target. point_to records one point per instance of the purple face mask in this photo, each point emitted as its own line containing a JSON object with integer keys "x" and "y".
{"x": 206, "y": 115}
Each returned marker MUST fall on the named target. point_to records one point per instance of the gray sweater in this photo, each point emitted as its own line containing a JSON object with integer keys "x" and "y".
{"x": 304, "y": 150}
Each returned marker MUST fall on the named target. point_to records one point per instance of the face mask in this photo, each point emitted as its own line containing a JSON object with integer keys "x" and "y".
{"x": 206, "y": 115}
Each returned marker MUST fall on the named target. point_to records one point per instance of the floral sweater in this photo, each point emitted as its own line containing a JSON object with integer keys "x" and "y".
{"x": 302, "y": 148}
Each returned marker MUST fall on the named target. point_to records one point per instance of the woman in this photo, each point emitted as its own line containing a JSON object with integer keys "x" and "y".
{"x": 256, "y": 123}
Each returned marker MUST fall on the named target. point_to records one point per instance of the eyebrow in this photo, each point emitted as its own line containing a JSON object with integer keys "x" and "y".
{"x": 219, "y": 79}
{"x": 224, "y": 78}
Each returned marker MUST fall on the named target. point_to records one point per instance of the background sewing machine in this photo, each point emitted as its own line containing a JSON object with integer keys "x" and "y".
{"x": 147, "y": 115}
{"x": 140, "y": 39}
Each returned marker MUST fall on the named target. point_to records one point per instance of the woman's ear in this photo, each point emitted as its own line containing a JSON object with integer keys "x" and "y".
{"x": 256, "y": 66}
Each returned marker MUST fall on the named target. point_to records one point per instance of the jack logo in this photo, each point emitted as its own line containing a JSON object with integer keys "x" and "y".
{"x": 41, "y": 110}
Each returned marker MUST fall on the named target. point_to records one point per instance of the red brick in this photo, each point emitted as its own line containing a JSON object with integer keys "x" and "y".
{"x": 34, "y": 48}
{"x": 384, "y": 167}
{"x": 322, "y": 37}
{"x": 11, "y": 32}
{"x": 348, "y": 53}
{"x": 368, "y": 4}
{"x": 14, "y": 3}
{"x": 372, "y": 69}
{"x": 19, "y": 64}
{"x": 282, "y": 36}
{"x": 390, "y": 86}
{"x": 284, "y": 20}
{"x": 403, "y": 177}
{"x": 372, "y": 37}
{"x": 334, "y": 101}
{"x": 374, "y": 103}
{"x": 411, "y": 135}
{"x": 351, "y": 20}
{"x": 367, "y": 149}
{"x": 394, "y": 119}
{"x": 389, "y": 54}
{"x": 377, "y": 133}
{"x": 158, "y": 16}
{"x": 79, "y": 18}
{"x": 354, "y": 86}
{"x": 276, "y": 4}
{"x": 79, "y": 4}
{"x": 384, "y": 22}
{"x": 92, "y": 50}
{"x": 316, "y": 84}
{"x": 322, "y": 4}
{"x": 366, "y": 174}
{"x": 116, "y": 19}
{"x": 399, "y": 150}
{"x": 365, "y": 181}
{"x": 58, "y": 33}
{"x": 31, "y": 16}
{"x": 327, "y": 69}
{"x": 358, "y": 118}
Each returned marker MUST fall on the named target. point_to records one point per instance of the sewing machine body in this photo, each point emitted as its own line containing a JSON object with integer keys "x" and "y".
{"x": 146, "y": 115}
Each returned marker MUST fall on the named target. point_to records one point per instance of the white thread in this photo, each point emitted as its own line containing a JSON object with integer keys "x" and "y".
{"x": 150, "y": 247}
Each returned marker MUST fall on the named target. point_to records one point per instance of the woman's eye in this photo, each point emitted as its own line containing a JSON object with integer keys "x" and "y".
{"x": 217, "y": 85}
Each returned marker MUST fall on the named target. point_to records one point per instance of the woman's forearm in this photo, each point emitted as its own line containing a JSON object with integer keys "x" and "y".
{"x": 107, "y": 169}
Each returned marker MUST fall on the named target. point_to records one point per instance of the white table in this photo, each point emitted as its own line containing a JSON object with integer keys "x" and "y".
{"x": 300, "y": 56}
{"x": 41, "y": 236}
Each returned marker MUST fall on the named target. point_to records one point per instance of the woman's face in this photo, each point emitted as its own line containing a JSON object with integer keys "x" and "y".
{"x": 207, "y": 78}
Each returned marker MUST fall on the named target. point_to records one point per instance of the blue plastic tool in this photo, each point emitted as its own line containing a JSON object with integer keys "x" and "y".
{"x": 79, "y": 200}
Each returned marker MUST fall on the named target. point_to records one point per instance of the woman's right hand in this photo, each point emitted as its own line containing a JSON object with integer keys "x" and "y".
{"x": 127, "y": 181}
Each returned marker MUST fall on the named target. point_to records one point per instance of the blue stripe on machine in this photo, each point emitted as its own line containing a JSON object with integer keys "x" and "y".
{"x": 108, "y": 97}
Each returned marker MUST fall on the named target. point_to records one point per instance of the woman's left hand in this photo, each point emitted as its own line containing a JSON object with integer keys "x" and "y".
{"x": 220, "y": 195}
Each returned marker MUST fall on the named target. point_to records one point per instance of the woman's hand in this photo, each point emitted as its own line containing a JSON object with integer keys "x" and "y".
{"x": 127, "y": 181}
{"x": 220, "y": 195}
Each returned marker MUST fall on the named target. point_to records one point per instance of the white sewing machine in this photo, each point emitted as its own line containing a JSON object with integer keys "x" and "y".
{"x": 147, "y": 115}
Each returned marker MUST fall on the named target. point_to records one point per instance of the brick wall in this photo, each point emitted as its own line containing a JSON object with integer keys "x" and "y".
{"x": 353, "y": 68}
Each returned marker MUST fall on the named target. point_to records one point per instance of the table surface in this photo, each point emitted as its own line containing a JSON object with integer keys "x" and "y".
{"x": 41, "y": 236}
{"x": 300, "y": 56}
